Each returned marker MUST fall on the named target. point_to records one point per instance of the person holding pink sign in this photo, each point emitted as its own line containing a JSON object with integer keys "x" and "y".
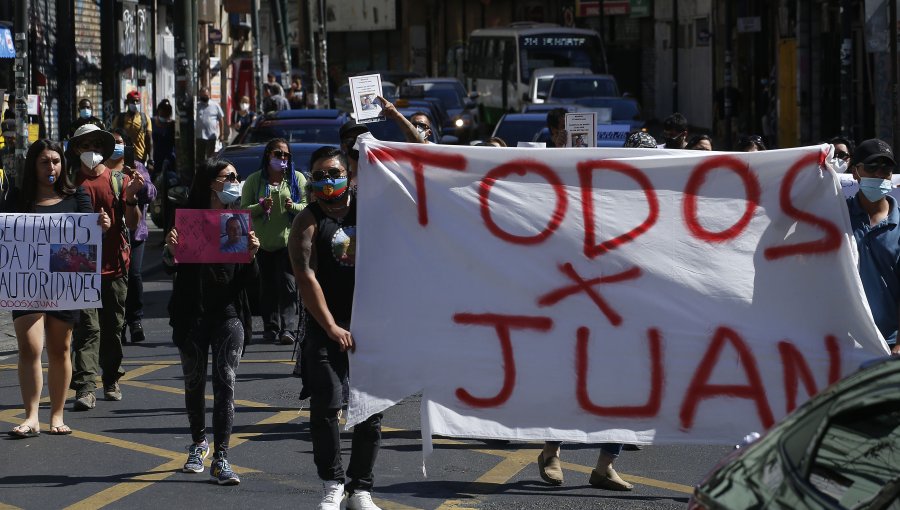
{"x": 274, "y": 195}
{"x": 209, "y": 309}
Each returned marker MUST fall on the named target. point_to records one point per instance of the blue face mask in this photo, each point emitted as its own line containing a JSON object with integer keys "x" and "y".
{"x": 84, "y": 113}
{"x": 874, "y": 188}
{"x": 118, "y": 151}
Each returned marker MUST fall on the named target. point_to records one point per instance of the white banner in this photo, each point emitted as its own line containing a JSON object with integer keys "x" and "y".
{"x": 50, "y": 261}
{"x": 594, "y": 295}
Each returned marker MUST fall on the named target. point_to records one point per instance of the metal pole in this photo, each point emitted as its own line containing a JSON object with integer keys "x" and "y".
{"x": 323, "y": 43}
{"x": 190, "y": 84}
{"x": 675, "y": 55}
{"x": 313, "y": 68}
{"x": 278, "y": 16}
{"x": 257, "y": 54}
{"x": 846, "y": 68}
{"x": 726, "y": 87}
{"x": 22, "y": 68}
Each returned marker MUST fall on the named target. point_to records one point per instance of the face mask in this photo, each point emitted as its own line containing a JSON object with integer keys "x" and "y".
{"x": 673, "y": 143}
{"x": 118, "y": 151}
{"x": 839, "y": 165}
{"x": 84, "y": 113}
{"x": 329, "y": 190}
{"x": 204, "y": 99}
{"x": 245, "y": 107}
{"x": 91, "y": 159}
{"x": 278, "y": 165}
{"x": 132, "y": 107}
{"x": 231, "y": 193}
{"x": 421, "y": 133}
{"x": 874, "y": 188}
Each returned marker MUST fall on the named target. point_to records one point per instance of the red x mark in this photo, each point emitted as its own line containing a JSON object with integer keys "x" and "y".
{"x": 582, "y": 285}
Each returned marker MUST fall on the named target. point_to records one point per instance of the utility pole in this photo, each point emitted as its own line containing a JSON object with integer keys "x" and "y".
{"x": 22, "y": 71}
{"x": 323, "y": 45}
{"x": 846, "y": 69}
{"x": 675, "y": 54}
{"x": 313, "y": 70}
{"x": 727, "y": 107}
{"x": 257, "y": 55}
{"x": 279, "y": 15}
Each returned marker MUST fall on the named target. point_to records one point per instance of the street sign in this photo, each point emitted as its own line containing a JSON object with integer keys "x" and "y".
{"x": 641, "y": 8}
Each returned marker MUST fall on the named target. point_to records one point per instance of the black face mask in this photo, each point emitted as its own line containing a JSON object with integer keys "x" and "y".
{"x": 673, "y": 143}
{"x": 204, "y": 99}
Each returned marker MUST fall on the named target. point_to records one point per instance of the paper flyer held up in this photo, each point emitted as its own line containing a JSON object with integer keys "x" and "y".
{"x": 581, "y": 129}
{"x": 211, "y": 236}
{"x": 364, "y": 91}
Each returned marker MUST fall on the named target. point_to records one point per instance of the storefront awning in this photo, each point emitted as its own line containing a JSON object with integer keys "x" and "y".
{"x": 7, "y": 47}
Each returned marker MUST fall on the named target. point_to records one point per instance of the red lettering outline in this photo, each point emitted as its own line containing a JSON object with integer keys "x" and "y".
{"x": 657, "y": 379}
{"x": 521, "y": 167}
{"x": 699, "y": 389}
{"x": 585, "y": 173}
{"x": 698, "y": 178}
{"x": 833, "y": 238}
{"x": 502, "y": 324}
{"x": 795, "y": 369}
{"x": 582, "y": 285}
{"x": 418, "y": 159}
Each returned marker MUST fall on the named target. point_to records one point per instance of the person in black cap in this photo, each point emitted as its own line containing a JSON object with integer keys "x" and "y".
{"x": 874, "y": 218}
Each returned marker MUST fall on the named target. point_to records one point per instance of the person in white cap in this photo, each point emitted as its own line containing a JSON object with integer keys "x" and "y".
{"x": 97, "y": 344}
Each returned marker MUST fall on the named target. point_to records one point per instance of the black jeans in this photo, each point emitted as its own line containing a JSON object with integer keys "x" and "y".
{"x": 278, "y": 301}
{"x": 134, "y": 302}
{"x": 326, "y": 369}
{"x": 227, "y": 341}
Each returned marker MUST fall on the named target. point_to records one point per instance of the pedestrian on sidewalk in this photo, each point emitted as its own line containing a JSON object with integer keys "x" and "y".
{"x": 323, "y": 254}
{"x": 274, "y": 195}
{"x": 209, "y": 309}
{"x": 97, "y": 343}
{"x": 46, "y": 189}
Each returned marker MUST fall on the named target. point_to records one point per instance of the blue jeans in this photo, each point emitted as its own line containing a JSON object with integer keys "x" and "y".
{"x": 134, "y": 301}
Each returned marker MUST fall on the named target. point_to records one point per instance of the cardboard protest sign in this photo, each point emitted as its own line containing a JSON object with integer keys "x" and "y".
{"x": 363, "y": 92}
{"x": 581, "y": 130}
{"x": 615, "y": 295}
{"x": 207, "y": 236}
{"x": 50, "y": 261}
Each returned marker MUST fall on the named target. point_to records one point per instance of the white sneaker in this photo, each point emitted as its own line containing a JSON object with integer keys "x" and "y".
{"x": 332, "y": 495}
{"x": 361, "y": 500}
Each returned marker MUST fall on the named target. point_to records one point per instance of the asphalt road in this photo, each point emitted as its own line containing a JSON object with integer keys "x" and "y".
{"x": 129, "y": 454}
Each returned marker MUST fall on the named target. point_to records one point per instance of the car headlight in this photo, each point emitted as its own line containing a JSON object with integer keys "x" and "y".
{"x": 462, "y": 121}
{"x": 459, "y": 123}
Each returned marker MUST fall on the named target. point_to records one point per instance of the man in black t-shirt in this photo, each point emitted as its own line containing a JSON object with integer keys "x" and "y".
{"x": 322, "y": 247}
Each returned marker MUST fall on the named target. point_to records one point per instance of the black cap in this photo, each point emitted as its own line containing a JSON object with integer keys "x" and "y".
{"x": 352, "y": 128}
{"x": 870, "y": 150}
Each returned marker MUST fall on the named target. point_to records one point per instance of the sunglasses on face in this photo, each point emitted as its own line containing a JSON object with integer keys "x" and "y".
{"x": 280, "y": 154}
{"x": 842, "y": 155}
{"x": 232, "y": 177}
{"x": 421, "y": 125}
{"x": 334, "y": 173}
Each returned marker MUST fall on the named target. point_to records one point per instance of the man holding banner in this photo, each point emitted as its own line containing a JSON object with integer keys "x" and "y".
{"x": 97, "y": 341}
{"x": 322, "y": 247}
{"x": 874, "y": 218}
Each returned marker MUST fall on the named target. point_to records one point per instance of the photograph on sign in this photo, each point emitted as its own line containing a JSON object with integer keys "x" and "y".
{"x": 364, "y": 92}
{"x": 206, "y": 236}
{"x": 581, "y": 129}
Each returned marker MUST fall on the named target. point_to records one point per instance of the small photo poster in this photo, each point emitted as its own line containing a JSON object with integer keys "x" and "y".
{"x": 212, "y": 236}
{"x": 364, "y": 91}
{"x": 581, "y": 129}
{"x": 50, "y": 261}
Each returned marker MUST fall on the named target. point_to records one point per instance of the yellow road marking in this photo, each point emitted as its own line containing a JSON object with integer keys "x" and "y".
{"x": 677, "y": 487}
{"x": 391, "y": 505}
{"x": 120, "y": 490}
{"x": 180, "y": 391}
{"x": 279, "y": 418}
{"x": 12, "y": 366}
{"x": 505, "y": 470}
{"x": 4, "y": 506}
{"x": 134, "y": 373}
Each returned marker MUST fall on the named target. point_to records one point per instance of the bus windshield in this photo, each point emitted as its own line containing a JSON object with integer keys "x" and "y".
{"x": 559, "y": 50}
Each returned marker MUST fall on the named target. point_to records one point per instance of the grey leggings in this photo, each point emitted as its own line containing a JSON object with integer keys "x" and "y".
{"x": 227, "y": 341}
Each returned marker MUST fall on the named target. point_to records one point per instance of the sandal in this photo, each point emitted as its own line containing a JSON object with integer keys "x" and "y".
{"x": 60, "y": 430}
{"x": 24, "y": 432}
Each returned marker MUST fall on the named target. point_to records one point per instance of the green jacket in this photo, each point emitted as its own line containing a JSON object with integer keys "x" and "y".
{"x": 273, "y": 230}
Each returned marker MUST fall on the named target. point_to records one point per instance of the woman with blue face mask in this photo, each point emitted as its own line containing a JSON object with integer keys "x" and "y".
{"x": 274, "y": 195}
{"x": 209, "y": 310}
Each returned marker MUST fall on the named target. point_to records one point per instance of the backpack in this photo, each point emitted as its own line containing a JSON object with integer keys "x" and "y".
{"x": 117, "y": 181}
{"x": 119, "y": 122}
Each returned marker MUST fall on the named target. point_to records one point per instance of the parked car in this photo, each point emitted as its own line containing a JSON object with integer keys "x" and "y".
{"x": 342, "y": 95}
{"x": 539, "y": 84}
{"x": 389, "y": 131}
{"x": 246, "y": 158}
{"x": 841, "y": 449}
{"x": 568, "y": 88}
{"x": 307, "y": 126}
{"x": 462, "y": 111}
{"x": 520, "y": 127}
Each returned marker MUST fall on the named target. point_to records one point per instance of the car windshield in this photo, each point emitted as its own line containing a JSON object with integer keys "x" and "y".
{"x": 514, "y": 131}
{"x": 543, "y": 85}
{"x": 292, "y": 132}
{"x": 581, "y": 87}
{"x": 449, "y": 95}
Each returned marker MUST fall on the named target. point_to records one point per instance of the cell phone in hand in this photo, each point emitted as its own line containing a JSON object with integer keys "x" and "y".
{"x": 129, "y": 156}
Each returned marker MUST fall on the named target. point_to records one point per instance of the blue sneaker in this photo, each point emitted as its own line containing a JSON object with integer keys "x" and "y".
{"x": 196, "y": 453}
{"x": 221, "y": 472}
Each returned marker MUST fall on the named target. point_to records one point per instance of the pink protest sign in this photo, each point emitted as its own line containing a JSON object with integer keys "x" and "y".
{"x": 212, "y": 236}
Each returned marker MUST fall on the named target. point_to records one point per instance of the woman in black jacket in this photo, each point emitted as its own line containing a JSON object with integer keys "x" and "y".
{"x": 209, "y": 309}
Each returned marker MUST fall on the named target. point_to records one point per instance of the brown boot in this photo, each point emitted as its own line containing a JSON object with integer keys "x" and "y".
{"x": 551, "y": 469}
{"x": 605, "y": 477}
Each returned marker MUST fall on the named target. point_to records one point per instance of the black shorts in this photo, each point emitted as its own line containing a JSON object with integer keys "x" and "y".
{"x": 70, "y": 316}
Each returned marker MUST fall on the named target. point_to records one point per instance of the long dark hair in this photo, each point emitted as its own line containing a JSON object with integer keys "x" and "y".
{"x": 63, "y": 185}
{"x": 296, "y": 192}
{"x": 200, "y": 188}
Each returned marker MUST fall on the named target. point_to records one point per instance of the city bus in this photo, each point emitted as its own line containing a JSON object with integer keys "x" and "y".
{"x": 499, "y": 61}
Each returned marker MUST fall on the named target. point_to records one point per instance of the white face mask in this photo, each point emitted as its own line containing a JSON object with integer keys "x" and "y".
{"x": 91, "y": 159}
{"x": 245, "y": 107}
{"x": 132, "y": 107}
{"x": 840, "y": 166}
